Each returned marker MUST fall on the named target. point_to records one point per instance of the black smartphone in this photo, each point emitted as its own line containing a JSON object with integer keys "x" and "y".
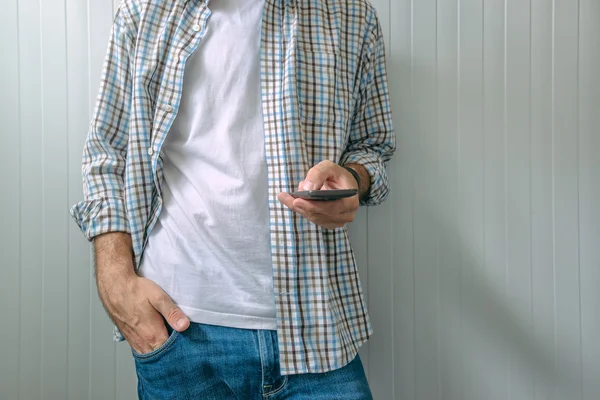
{"x": 325, "y": 195}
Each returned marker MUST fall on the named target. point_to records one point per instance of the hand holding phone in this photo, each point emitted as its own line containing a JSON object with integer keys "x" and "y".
{"x": 331, "y": 207}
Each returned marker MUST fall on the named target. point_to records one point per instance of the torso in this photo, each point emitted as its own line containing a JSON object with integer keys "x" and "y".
{"x": 209, "y": 249}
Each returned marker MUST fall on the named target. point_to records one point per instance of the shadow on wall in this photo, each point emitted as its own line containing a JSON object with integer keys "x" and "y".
{"x": 484, "y": 312}
{"x": 492, "y": 345}
{"x": 488, "y": 343}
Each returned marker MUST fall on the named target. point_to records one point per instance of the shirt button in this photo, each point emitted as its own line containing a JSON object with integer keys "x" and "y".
{"x": 169, "y": 108}
{"x": 196, "y": 28}
{"x": 150, "y": 151}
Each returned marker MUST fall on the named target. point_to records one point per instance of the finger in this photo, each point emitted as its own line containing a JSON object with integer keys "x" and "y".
{"x": 289, "y": 202}
{"x": 149, "y": 341}
{"x": 337, "y": 219}
{"x": 155, "y": 335}
{"x": 305, "y": 208}
{"x": 321, "y": 213}
{"x": 146, "y": 339}
{"x": 317, "y": 175}
{"x": 327, "y": 220}
{"x": 148, "y": 335}
{"x": 331, "y": 208}
{"x": 173, "y": 314}
{"x": 139, "y": 346}
{"x": 327, "y": 223}
{"x": 286, "y": 199}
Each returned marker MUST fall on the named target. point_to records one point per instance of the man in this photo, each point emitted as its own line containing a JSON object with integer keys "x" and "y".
{"x": 208, "y": 115}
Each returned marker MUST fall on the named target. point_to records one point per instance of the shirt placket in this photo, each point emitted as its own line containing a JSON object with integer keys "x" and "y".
{"x": 167, "y": 110}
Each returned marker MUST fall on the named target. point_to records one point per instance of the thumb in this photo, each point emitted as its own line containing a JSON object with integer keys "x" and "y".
{"x": 319, "y": 174}
{"x": 173, "y": 314}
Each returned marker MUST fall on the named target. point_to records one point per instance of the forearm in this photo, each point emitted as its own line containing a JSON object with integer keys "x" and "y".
{"x": 365, "y": 179}
{"x": 113, "y": 256}
{"x": 137, "y": 306}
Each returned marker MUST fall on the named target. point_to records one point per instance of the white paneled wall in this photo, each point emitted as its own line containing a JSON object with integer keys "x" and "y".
{"x": 55, "y": 342}
{"x": 482, "y": 271}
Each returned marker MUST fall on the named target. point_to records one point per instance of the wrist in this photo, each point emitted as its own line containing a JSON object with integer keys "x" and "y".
{"x": 354, "y": 174}
{"x": 364, "y": 180}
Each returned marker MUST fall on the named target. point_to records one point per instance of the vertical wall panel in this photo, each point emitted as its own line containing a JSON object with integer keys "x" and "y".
{"x": 565, "y": 192}
{"x": 450, "y": 337}
{"x": 474, "y": 301}
{"x": 31, "y": 194}
{"x": 496, "y": 379}
{"x": 126, "y": 379}
{"x": 524, "y": 354}
{"x": 10, "y": 200}
{"x": 79, "y": 269}
{"x": 589, "y": 193}
{"x": 54, "y": 197}
{"x": 400, "y": 56}
{"x": 381, "y": 372}
{"x": 426, "y": 201}
{"x": 542, "y": 246}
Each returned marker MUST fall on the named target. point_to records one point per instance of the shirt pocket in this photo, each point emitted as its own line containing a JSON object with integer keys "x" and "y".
{"x": 320, "y": 95}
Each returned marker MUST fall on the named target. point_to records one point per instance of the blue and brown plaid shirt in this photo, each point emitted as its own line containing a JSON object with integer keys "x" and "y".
{"x": 324, "y": 97}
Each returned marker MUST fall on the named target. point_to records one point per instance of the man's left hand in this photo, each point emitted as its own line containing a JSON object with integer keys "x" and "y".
{"x": 328, "y": 214}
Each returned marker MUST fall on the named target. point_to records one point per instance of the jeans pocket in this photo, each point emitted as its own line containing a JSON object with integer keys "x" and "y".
{"x": 158, "y": 351}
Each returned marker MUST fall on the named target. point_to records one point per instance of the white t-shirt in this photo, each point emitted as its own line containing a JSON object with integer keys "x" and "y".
{"x": 210, "y": 249}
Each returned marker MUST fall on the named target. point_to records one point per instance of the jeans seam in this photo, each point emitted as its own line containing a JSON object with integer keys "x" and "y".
{"x": 141, "y": 385}
{"x": 285, "y": 377}
{"x": 261, "y": 355}
{"x": 279, "y": 389}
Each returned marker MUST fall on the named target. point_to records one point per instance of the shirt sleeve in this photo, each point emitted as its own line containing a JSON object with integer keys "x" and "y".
{"x": 371, "y": 140}
{"x": 103, "y": 209}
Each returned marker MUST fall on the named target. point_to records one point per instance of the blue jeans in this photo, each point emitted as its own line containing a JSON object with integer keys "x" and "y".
{"x": 208, "y": 362}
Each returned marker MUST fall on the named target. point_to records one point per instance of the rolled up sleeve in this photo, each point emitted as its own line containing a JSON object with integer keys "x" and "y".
{"x": 105, "y": 152}
{"x": 99, "y": 216}
{"x": 371, "y": 141}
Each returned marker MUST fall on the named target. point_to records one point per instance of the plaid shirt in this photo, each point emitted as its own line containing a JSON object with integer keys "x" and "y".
{"x": 324, "y": 97}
